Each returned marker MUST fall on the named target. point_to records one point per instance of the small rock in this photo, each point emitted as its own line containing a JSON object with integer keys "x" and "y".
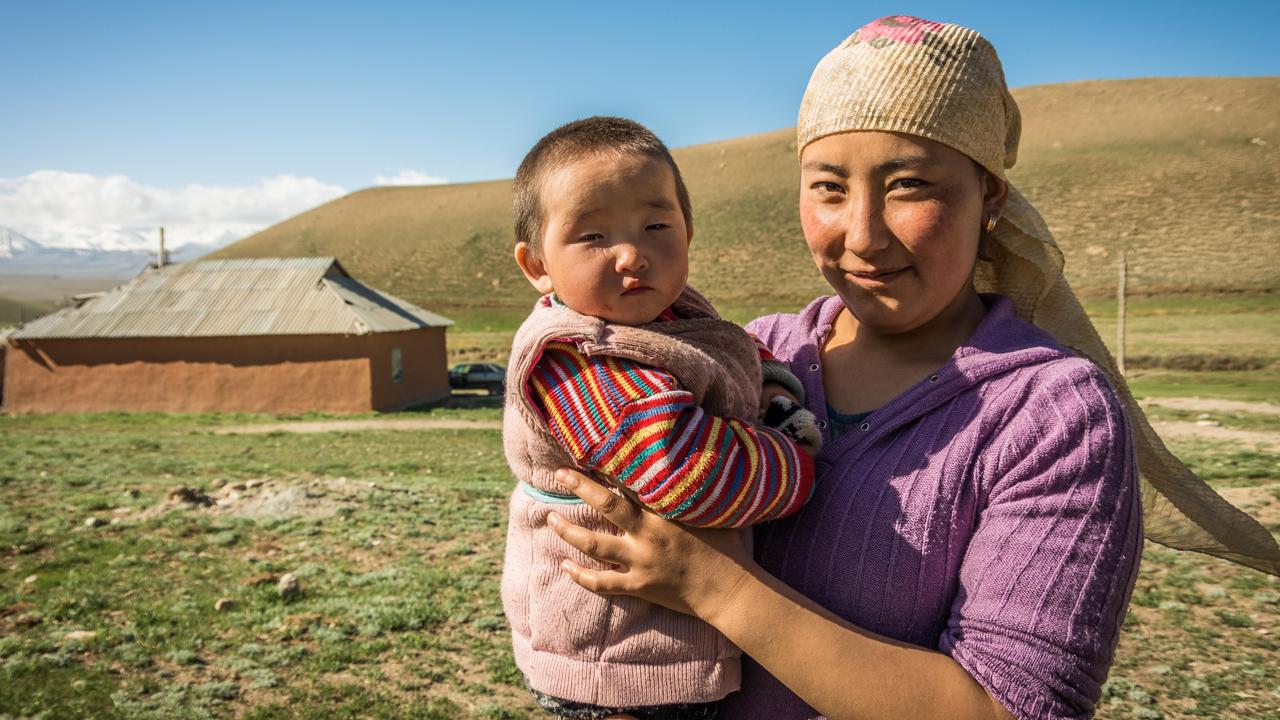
{"x": 1207, "y": 423}
{"x": 80, "y": 635}
{"x": 218, "y": 483}
{"x": 94, "y": 522}
{"x": 190, "y": 495}
{"x": 1215, "y": 592}
{"x": 1259, "y": 142}
{"x": 28, "y": 620}
{"x": 1161, "y": 670}
{"x": 252, "y": 484}
{"x": 116, "y": 520}
{"x": 30, "y": 579}
{"x": 288, "y": 586}
{"x": 132, "y": 492}
{"x": 224, "y": 604}
{"x": 1140, "y": 696}
{"x": 16, "y": 608}
{"x": 120, "y": 511}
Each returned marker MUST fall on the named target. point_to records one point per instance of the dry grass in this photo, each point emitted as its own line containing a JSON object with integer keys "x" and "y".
{"x": 13, "y": 312}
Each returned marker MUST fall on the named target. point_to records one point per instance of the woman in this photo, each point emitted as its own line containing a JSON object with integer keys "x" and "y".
{"x": 975, "y": 532}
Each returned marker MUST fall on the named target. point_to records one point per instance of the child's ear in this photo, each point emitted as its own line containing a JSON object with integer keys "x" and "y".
{"x": 531, "y": 265}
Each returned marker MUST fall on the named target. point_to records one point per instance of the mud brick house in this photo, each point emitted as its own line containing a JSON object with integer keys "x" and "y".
{"x": 275, "y": 335}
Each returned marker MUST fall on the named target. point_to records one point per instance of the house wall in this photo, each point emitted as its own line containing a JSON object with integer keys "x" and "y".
{"x": 425, "y": 375}
{"x": 271, "y": 374}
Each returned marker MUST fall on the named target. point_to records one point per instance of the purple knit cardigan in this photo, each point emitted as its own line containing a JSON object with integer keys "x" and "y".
{"x": 991, "y": 512}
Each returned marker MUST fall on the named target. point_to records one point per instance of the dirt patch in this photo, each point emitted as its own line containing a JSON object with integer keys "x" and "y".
{"x": 1269, "y": 441}
{"x": 1209, "y": 405}
{"x": 265, "y": 498}
{"x": 281, "y": 502}
{"x": 346, "y": 425}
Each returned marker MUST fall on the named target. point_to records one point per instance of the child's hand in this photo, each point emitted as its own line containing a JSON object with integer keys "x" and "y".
{"x": 791, "y": 419}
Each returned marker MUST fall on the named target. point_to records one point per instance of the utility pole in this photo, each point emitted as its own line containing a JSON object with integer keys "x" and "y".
{"x": 1120, "y": 312}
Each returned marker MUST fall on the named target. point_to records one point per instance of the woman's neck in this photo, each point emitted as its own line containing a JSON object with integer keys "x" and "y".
{"x": 935, "y": 340}
{"x": 863, "y": 368}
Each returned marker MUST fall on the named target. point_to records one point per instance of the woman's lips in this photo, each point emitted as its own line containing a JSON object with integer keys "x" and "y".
{"x": 876, "y": 277}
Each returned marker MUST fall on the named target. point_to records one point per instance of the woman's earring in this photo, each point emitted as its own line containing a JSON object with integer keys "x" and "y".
{"x": 991, "y": 222}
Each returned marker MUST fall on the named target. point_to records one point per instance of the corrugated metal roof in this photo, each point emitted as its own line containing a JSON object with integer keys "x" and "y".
{"x": 214, "y": 298}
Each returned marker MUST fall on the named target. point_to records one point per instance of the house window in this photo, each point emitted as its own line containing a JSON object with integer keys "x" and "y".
{"x": 397, "y": 365}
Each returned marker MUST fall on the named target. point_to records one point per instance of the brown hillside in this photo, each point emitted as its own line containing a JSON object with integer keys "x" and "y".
{"x": 13, "y": 312}
{"x": 1180, "y": 172}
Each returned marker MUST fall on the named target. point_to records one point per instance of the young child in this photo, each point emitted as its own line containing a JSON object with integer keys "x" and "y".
{"x": 624, "y": 371}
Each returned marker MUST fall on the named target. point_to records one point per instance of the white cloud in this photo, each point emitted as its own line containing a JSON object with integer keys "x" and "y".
{"x": 409, "y": 177}
{"x": 76, "y": 210}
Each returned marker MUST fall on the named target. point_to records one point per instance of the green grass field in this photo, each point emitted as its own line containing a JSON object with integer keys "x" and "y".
{"x": 396, "y": 538}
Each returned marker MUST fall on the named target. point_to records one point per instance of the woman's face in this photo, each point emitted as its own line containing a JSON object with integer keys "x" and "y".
{"x": 893, "y": 222}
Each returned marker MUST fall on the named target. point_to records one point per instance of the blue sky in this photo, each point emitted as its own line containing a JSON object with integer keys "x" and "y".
{"x": 223, "y": 93}
{"x": 218, "y": 119}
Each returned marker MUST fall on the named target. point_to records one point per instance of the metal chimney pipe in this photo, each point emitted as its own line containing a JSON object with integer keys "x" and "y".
{"x": 160, "y": 262}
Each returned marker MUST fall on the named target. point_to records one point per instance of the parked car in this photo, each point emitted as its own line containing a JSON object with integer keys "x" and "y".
{"x": 487, "y": 376}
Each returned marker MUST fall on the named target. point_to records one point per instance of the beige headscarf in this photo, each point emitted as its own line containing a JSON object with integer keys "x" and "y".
{"x": 944, "y": 82}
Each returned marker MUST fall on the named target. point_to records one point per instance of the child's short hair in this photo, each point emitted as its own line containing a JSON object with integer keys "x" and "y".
{"x": 572, "y": 141}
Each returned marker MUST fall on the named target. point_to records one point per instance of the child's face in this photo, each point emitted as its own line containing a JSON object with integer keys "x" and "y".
{"x": 614, "y": 242}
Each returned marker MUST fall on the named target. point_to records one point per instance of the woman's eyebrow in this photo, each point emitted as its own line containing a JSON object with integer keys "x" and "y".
{"x": 906, "y": 162}
{"x": 898, "y": 163}
{"x": 838, "y": 170}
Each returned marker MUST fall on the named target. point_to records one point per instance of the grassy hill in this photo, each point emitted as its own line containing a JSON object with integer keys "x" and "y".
{"x": 1182, "y": 173}
{"x": 14, "y": 311}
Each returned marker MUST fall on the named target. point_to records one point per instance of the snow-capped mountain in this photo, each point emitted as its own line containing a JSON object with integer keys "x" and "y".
{"x": 112, "y": 222}
{"x": 126, "y": 238}
{"x": 103, "y": 254}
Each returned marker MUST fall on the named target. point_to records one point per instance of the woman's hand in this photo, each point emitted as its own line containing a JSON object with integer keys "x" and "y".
{"x": 685, "y": 569}
{"x": 839, "y": 669}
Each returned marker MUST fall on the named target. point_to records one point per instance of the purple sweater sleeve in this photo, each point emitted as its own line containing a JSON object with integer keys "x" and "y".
{"x": 1049, "y": 569}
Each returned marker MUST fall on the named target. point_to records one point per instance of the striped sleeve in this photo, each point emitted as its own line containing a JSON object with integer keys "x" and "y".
{"x": 633, "y": 423}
